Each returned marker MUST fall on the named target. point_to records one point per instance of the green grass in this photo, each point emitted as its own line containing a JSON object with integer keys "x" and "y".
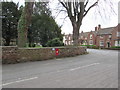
{"x": 27, "y": 46}
{"x": 35, "y": 47}
{"x": 115, "y": 47}
{"x": 38, "y": 47}
{"x": 88, "y": 45}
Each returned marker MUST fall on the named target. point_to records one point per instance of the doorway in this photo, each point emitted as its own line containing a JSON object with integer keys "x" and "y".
{"x": 108, "y": 44}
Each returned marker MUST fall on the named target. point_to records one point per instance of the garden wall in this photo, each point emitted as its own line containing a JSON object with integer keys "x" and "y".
{"x": 16, "y": 55}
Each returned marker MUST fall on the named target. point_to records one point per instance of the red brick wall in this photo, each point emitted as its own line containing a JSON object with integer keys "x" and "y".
{"x": 93, "y": 38}
{"x": 114, "y": 35}
{"x": 105, "y": 39}
{"x": 97, "y": 40}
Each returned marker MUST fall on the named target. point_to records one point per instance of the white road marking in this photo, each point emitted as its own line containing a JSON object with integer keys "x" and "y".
{"x": 58, "y": 59}
{"x": 47, "y": 63}
{"x": 19, "y": 81}
{"x": 84, "y": 66}
{"x": 70, "y": 61}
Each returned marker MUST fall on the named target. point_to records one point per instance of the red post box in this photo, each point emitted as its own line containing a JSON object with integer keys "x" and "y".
{"x": 57, "y": 51}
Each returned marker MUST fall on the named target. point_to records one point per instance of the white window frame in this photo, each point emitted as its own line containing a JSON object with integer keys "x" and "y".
{"x": 117, "y": 43}
{"x": 101, "y": 43}
{"x": 91, "y": 42}
{"x": 118, "y": 34}
{"x": 101, "y": 36}
{"x": 91, "y": 36}
{"x": 110, "y": 36}
{"x": 69, "y": 38}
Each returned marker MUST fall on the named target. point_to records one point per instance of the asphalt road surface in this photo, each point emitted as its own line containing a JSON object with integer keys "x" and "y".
{"x": 98, "y": 69}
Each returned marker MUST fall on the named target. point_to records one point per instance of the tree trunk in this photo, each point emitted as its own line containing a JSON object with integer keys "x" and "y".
{"x": 7, "y": 42}
{"x": 22, "y": 38}
{"x": 75, "y": 34}
{"x": 22, "y": 31}
{"x": 24, "y": 23}
{"x": 76, "y": 12}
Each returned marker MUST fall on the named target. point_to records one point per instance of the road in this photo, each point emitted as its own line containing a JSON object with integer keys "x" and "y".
{"x": 98, "y": 69}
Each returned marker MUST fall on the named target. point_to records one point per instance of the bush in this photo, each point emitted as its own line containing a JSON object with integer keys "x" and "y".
{"x": 33, "y": 45}
{"x": 54, "y": 42}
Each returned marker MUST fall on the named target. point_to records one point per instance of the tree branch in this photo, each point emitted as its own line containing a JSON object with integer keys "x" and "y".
{"x": 59, "y": 13}
{"x": 63, "y": 4}
{"x": 90, "y": 8}
{"x": 86, "y": 3}
{"x": 80, "y": 14}
{"x": 63, "y": 21}
{"x": 67, "y": 6}
{"x": 74, "y": 8}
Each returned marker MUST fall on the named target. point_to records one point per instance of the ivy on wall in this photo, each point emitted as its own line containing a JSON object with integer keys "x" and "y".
{"x": 23, "y": 24}
{"x": 22, "y": 33}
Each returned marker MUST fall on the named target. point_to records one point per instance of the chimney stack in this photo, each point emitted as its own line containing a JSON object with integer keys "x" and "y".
{"x": 99, "y": 27}
{"x": 96, "y": 28}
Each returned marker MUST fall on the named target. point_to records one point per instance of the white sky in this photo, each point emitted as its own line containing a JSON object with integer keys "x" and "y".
{"x": 91, "y": 20}
{"x": 119, "y": 13}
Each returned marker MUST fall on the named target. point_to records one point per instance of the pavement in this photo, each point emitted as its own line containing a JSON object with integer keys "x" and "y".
{"x": 98, "y": 69}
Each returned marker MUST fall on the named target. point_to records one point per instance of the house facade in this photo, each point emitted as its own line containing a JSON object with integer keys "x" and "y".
{"x": 68, "y": 39}
{"x": 101, "y": 37}
{"x": 83, "y": 38}
{"x": 104, "y": 36}
{"x": 91, "y": 39}
{"x": 115, "y": 41}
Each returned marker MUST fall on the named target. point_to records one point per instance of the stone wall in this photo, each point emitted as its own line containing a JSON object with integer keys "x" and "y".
{"x": 9, "y": 54}
{"x": 16, "y": 55}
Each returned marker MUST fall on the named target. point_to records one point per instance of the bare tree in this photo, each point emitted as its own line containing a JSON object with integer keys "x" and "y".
{"x": 76, "y": 11}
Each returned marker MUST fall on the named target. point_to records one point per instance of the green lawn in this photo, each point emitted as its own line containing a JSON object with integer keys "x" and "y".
{"x": 88, "y": 45}
{"x": 115, "y": 47}
{"x": 37, "y": 46}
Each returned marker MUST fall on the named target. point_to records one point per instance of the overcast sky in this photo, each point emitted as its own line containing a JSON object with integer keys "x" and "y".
{"x": 92, "y": 19}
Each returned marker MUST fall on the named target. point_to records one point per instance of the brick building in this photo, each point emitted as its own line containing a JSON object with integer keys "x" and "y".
{"x": 68, "y": 39}
{"x": 115, "y": 40}
{"x": 83, "y": 38}
{"x": 101, "y": 37}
